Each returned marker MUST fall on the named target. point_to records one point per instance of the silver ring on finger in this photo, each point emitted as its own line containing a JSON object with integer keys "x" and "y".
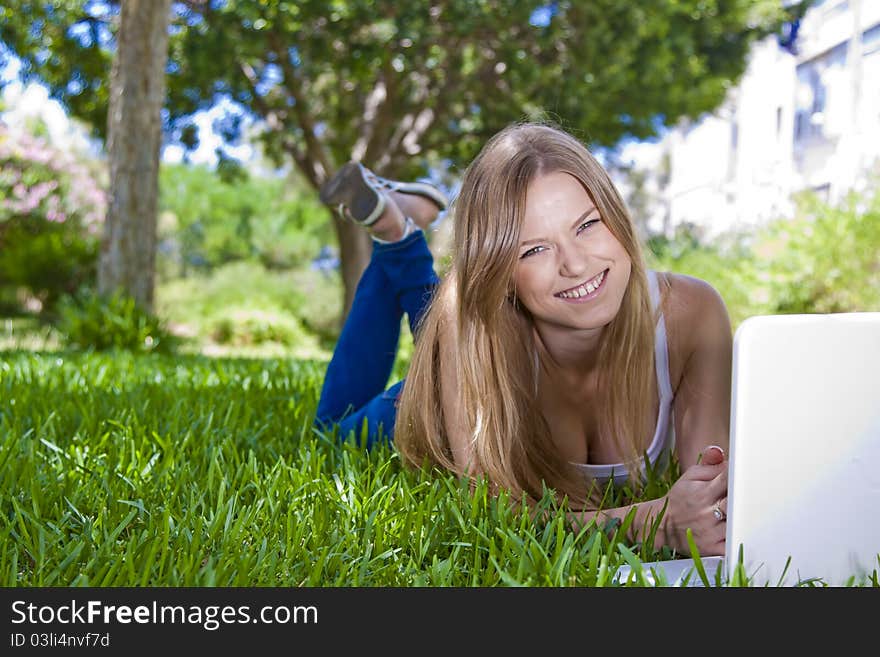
{"x": 718, "y": 512}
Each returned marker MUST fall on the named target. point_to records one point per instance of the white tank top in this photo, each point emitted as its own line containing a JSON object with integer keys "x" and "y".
{"x": 663, "y": 441}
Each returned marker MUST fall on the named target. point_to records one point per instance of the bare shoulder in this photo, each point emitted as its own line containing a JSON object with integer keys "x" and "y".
{"x": 689, "y": 298}
{"x": 695, "y": 315}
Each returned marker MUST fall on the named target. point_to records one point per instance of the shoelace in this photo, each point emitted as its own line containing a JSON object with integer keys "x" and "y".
{"x": 378, "y": 181}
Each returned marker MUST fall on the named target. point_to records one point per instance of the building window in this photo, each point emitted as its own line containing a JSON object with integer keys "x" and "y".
{"x": 817, "y": 81}
{"x": 823, "y": 191}
{"x": 871, "y": 40}
{"x": 831, "y": 7}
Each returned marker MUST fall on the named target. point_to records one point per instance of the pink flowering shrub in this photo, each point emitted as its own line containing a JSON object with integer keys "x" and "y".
{"x": 51, "y": 213}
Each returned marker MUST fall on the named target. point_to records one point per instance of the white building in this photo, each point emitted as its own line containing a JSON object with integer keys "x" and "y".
{"x": 809, "y": 120}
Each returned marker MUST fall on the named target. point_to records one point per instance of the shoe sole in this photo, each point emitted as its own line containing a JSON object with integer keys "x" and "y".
{"x": 420, "y": 189}
{"x": 349, "y": 188}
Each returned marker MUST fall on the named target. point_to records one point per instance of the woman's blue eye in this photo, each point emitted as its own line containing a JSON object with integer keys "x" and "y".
{"x": 532, "y": 251}
{"x": 581, "y": 228}
{"x": 587, "y": 224}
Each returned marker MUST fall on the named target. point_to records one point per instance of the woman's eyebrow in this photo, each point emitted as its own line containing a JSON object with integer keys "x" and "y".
{"x": 573, "y": 224}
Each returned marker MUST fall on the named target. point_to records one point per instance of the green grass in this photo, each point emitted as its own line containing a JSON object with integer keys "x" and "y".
{"x": 124, "y": 470}
{"x": 28, "y": 333}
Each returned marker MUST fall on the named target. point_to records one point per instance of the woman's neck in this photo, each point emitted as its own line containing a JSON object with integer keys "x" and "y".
{"x": 568, "y": 355}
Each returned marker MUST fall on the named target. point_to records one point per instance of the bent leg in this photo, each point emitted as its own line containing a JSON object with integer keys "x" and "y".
{"x": 365, "y": 351}
{"x": 409, "y": 267}
{"x": 400, "y": 278}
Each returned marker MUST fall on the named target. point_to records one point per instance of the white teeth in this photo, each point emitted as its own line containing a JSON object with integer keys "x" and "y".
{"x": 585, "y": 289}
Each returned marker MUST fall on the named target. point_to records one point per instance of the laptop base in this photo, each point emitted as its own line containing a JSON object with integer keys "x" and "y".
{"x": 676, "y": 572}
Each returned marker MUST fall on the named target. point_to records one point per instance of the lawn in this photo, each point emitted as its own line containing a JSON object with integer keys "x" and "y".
{"x": 149, "y": 470}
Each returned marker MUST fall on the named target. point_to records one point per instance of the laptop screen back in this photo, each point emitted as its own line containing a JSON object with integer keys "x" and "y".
{"x": 805, "y": 448}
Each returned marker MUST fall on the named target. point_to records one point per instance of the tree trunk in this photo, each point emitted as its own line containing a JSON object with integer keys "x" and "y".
{"x": 355, "y": 247}
{"x": 134, "y": 135}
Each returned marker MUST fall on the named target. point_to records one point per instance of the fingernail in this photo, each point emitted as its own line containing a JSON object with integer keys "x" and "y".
{"x": 716, "y": 447}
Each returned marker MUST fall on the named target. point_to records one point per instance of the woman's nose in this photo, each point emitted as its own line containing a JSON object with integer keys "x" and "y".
{"x": 572, "y": 263}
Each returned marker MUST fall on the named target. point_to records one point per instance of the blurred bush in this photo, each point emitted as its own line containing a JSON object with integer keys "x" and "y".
{"x": 727, "y": 263}
{"x": 824, "y": 260}
{"x": 248, "y": 327}
{"x": 208, "y": 220}
{"x": 51, "y": 210}
{"x": 243, "y": 304}
{"x": 92, "y": 321}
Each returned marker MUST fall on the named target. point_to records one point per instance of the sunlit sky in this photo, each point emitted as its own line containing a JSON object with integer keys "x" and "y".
{"x": 33, "y": 101}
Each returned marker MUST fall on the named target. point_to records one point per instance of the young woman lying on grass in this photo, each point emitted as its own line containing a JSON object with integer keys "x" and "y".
{"x": 549, "y": 354}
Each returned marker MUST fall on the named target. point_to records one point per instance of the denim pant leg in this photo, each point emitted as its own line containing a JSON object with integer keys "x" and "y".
{"x": 400, "y": 277}
{"x": 409, "y": 265}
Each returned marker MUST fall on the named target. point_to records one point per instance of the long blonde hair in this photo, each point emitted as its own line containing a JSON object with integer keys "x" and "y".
{"x": 497, "y": 364}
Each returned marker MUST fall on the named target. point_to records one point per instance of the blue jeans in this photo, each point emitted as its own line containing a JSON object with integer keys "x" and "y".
{"x": 399, "y": 279}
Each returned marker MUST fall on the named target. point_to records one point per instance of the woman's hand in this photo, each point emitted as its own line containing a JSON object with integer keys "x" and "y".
{"x": 691, "y": 503}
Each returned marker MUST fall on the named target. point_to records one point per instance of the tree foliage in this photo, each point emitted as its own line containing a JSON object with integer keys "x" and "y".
{"x": 409, "y": 82}
{"x": 68, "y": 46}
{"x": 401, "y": 85}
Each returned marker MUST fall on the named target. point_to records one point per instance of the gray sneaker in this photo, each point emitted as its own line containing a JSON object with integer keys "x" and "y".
{"x": 354, "y": 192}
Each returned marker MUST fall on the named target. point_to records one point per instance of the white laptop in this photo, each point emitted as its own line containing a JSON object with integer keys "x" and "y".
{"x": 804, "y": 487}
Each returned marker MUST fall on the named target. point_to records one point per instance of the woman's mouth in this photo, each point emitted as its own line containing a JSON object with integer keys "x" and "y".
{"x": 585, "y": 291}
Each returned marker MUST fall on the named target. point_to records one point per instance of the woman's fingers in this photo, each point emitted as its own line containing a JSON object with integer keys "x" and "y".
{"x": 705, "y": 472}
{"x": 717, "y": 488}
{"x": 712, "y": 455}
{"x": 713, "y": 540}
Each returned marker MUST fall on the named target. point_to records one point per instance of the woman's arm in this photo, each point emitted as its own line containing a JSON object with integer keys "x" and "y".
{"x": 687, "y": 505}
{"x": 701, "y": 340}
{"x": 646, "y": 514}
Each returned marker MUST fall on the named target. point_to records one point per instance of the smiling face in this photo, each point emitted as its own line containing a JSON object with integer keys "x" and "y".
{"x": 571, "y": 271}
